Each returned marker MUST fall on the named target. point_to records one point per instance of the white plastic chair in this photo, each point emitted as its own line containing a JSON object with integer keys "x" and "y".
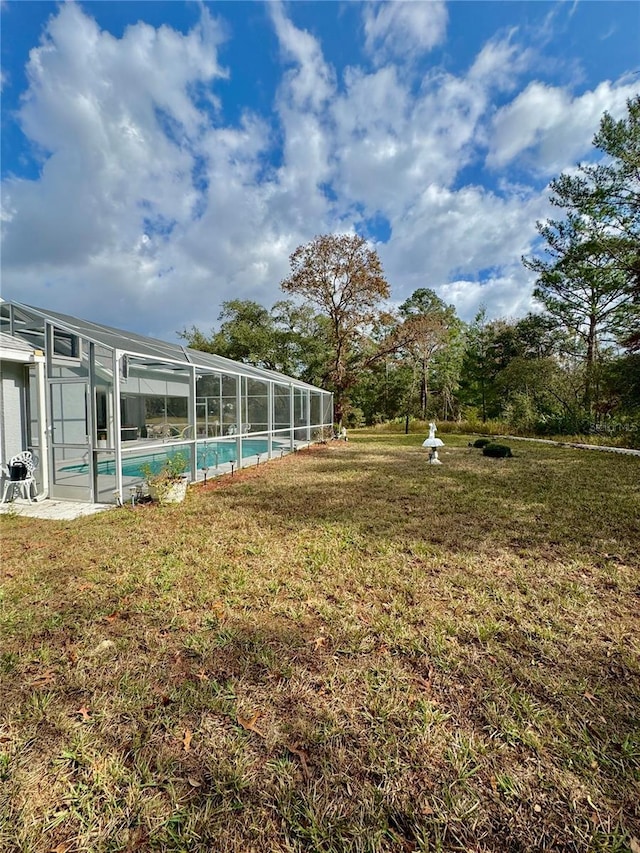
{"x": 15, "y": 470}
{"x": 162, "y": 431}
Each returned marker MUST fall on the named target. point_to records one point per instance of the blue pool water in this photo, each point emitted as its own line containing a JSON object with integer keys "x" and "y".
{"x": 210, "y": 455}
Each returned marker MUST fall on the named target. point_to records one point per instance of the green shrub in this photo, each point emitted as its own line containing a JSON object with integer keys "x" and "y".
{"x": 498, "y": 451}
{"x": 481, "y": 442}
{"x": 169, "y": 469}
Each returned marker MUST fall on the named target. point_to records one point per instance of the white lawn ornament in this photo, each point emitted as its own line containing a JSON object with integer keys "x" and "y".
{"x": 433, "y": 443}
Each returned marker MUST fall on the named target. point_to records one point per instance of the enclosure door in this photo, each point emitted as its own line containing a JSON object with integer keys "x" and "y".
{"x": 71, "y": 457}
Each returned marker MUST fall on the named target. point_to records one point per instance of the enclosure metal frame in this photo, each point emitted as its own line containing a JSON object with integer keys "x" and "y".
{"x": 168, "y": 359}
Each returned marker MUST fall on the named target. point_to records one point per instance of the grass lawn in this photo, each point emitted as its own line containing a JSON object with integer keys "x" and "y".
{"x": 343, "y": 650}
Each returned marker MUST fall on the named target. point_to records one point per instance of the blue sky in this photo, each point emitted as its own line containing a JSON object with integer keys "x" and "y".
{"x": 161, "y": 158}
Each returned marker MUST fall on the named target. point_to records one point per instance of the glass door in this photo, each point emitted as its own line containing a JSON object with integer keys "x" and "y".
{"x": 71, "y": 457}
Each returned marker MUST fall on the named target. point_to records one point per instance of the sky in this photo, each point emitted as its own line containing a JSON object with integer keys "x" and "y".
{"x": 160, "y": 158}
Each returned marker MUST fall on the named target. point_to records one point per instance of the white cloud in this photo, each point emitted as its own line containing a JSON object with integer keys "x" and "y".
{"x": 500, "y": 62}
{"x": 310, "y": 82}
{"x": 549, "y": 129}
{"x": 508, "y": 295}
{"x": 149, "y": 201}
{"x": 296, "y": 197}
{"x": 403, "y": 28}
{"x": 391, "y": 143}
{"x": 93, "y": 108}
{"x": 460, "y": 234}
{"x": 121, "y": 214}
{"x": 118, "y": 215}
{"x": 150, "y": 210}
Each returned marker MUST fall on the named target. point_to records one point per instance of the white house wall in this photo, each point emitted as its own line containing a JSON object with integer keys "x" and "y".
{"x": 12, "y": 426}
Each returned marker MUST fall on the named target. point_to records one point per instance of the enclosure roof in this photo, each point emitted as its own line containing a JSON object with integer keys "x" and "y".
{"x": 8, "y": 342}
{"x": 17, "y": 350}
{"x": 152, "y": 348}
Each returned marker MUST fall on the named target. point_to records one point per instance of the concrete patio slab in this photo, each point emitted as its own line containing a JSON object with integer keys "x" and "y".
{"x": 52, "y": 510}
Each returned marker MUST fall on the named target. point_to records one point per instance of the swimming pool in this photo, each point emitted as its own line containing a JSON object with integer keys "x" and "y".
{"x": 209, "y": 455}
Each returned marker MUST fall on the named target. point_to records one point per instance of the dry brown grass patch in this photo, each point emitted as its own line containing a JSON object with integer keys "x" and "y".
{"x": 343, "y": 650}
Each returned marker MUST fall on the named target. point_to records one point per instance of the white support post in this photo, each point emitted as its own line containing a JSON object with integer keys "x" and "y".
{"x": 117, "y": 424}
{"x": 191, "y": 415}
{"x": 270, "y": 420}
{"x": 41, "y": 374}
{"x": 238, "y": 422}
{"x": 48, "y": 408}
{"x": 292, "y": 424}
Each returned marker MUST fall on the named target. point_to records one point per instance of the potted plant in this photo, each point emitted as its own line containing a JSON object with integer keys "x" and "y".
{"x": 168, "y": 483}
{"x": 102, "y": 438}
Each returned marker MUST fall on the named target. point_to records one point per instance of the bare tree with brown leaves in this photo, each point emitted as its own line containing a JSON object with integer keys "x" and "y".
{"x": 342, "y": 276}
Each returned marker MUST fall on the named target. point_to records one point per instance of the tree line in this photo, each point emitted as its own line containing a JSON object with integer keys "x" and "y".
{"x": 573, "y": 367}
